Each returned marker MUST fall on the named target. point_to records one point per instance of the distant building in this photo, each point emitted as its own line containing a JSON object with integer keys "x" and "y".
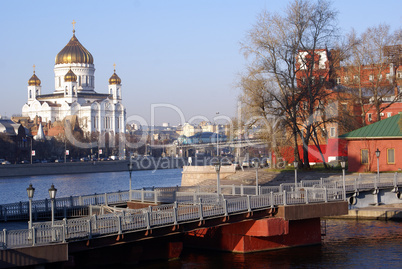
{"x": 75, "y": 94}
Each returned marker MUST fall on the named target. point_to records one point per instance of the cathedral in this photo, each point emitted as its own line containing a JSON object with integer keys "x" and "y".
{"x": 74, "y": 94}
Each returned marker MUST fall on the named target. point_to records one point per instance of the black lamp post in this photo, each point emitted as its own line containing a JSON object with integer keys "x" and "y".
{"x": 377, "y": 153}
{"x": 256, "y": 164}
{"x": 130, "y": 170}
{"x": 217, "y": 165}
{"x": 343, "y": 164}
{"x": 295, "y": 164}
{"x": 30, "y": 191}
{"x": 52, "y": 194}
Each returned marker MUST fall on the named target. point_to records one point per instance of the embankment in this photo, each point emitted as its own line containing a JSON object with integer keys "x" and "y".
{"x": 16, "y": 170}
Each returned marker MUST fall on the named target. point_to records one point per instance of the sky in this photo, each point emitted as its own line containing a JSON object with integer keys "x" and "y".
{"x": 179, "y": 60}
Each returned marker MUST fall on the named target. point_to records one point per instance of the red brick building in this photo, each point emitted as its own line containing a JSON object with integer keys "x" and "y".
{"x": 384, "y": 135}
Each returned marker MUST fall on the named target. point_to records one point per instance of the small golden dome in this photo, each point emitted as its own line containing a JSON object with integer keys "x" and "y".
{"x": 74, "y": 52}
{"x": 70, "y": 76}
{"x": 114, "y": 79}
{"x": 34, "y": 80}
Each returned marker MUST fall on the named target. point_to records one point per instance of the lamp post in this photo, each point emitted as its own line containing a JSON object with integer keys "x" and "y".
{"x": 52, "y": 194}
{"x": 217, "y": 165}
{"x": 130, "y": 170}
{"x": 30, "y": 191}
{"x": 256, "y": 164}
{"x": 295, "y": 164}
{"x": 377, "y": 153}
{"x": 343, "y": 164}
{"x": 217, "y": 137}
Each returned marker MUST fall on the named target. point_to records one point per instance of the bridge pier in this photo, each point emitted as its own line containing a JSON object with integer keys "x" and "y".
{"x": 257, "y": 235}
{"x": 292, "y": 226}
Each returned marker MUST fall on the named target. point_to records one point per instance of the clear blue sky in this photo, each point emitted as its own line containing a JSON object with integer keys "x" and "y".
{"x": 185, "y": 53}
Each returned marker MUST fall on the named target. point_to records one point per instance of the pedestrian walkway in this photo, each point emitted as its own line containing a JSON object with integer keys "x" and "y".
{"x": 270, "y": 178}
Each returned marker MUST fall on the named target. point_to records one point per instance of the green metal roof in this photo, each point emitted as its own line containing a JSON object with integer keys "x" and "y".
{"x": 386, "y": 128}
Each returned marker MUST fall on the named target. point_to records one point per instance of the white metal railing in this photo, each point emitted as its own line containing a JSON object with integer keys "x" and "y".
{"x": 76, "y": 206}
{"x": 190, "y": 204}
{"x": 156, "y": 216}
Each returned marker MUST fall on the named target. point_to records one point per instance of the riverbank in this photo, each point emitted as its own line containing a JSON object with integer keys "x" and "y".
{"x": 18, "y": 170}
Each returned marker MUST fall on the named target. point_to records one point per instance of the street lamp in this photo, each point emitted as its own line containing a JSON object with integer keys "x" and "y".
{"x": 217, "y": 165}
{"x": 343, "y": 164}
{"x": 295, "y": 164}
{"x": 52, "y": 194}
{"x": 130, "y": 170}
{"x": 256, "y": 164}
{"x": 30, "y": 191}
{"x": 377, "y": 153}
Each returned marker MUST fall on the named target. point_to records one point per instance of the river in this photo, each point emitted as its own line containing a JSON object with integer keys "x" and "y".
{"x": 347, "y": 244}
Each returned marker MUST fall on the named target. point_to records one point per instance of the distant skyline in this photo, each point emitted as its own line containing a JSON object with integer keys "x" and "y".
{"x": 185, "y": 54}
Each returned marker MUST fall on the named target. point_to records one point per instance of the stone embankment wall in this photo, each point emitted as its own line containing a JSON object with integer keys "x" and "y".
{"x": 193, "y": 175}
{"x": 15, "y": 170}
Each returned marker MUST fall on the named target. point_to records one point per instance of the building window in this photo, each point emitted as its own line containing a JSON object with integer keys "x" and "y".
{"x": 369, "y": 117}
{"x": 322, "y": 79}
{"x": 346, "y": 79}
{"x": 332, "y": 132}
{"x": 371, "y": 77}
{"x": 399, "y": 74}
{"x": 356, "y": 78}
{"x": 364, "y": 155}
{"x": 338, "y": 80}
{"x": 389, "y": 114}
{"x": 305, "y": 105}
{"x": 388, "y": 76}
{"x": 390, "y": 156}
{"x": 303, "y": 80}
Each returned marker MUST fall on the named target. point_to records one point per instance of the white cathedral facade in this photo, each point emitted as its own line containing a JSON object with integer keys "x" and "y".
{"x": 75, "y": 94}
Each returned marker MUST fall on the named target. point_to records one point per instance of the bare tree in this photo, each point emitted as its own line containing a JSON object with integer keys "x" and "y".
{"x": 370, "y": 68}
{"x": 280, "y": 47}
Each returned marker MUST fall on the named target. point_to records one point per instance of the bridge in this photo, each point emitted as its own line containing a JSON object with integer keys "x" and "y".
{"x": 168, "y": 216}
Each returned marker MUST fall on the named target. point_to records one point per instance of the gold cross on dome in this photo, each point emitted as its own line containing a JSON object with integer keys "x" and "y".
{"x": 33, "y": 68}
{"x": 73, "y": 23}
{"x": 114, "y": 67}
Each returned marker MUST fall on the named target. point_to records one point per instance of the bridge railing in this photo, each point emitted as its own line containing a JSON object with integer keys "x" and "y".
{"x": 76, "y": 206}
{"x": 161, "y": 215}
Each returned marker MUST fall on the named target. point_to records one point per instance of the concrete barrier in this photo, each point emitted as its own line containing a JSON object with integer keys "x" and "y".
{"x": 193, "y": 175}
{"x": 16, "y": 170}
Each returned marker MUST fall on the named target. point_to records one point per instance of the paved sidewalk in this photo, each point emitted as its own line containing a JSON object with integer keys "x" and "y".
{"x": 268, "y": 178}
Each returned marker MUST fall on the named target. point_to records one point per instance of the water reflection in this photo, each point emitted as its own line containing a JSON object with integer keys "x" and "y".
{"x": 348, "y": 244}
{"x": 14, "y": 189}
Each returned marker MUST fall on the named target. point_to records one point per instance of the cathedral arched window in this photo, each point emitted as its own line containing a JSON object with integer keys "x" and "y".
{"x": 59, "y": 82}
{"x": 110, "y": 91}
{"x": 37, "y": 92}
{"x": 30, "y": 94}
{"x": 118, "y": 92}
{"x": 79, "y": 80}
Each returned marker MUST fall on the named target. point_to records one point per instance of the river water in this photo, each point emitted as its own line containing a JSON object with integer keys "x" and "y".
{"x": 347, "y": 244}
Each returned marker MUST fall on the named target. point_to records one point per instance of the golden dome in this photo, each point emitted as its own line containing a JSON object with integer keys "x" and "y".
{"x": 34, "y": 80}
{"x": 114, "y": 79}
{"x": 74, "y": 52}
{"x": 70, "y": 76}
